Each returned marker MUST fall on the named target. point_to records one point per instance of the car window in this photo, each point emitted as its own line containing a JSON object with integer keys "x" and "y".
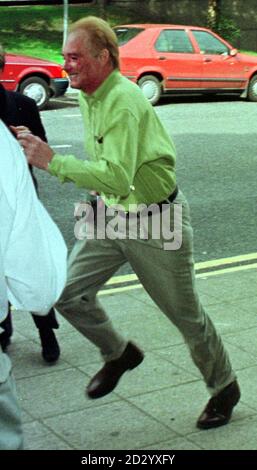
{"x": 125, "y": 35}
{"x": 209, "y": 44}
{"x": 173, "y": 40}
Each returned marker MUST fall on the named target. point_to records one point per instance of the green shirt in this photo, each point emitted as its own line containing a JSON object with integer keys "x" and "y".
{"x": 132, "y": 158}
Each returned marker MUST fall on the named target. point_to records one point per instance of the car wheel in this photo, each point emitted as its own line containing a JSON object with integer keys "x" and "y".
{"x": 37, "y": 89}
{"x": 151, "y": 88}
{"x": 252, "y": 90}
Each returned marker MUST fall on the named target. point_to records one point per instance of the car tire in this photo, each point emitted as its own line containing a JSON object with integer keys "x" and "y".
{"x": 37, "y": 89}
{"x": 151, "y": 88}
{"x": 252, "y": 90}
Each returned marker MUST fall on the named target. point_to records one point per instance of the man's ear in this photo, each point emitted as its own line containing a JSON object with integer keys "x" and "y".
{"x": 104, "y": 56}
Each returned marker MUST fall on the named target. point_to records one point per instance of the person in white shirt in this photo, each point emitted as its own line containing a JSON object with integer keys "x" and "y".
{"x": 32, "y": 253}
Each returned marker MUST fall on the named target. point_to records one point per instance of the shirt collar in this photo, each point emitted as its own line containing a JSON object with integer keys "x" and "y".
{"x": 104, "y": 89}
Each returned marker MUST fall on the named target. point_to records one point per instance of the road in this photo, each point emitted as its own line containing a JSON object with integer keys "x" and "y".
{"x": 216, "y": 145}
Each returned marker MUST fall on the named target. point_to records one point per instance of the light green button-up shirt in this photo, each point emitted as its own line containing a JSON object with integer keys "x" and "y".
{"x": 132, "y": 158}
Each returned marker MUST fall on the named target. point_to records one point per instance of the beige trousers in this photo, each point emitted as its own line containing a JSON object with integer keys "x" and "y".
{"x": 168, "y": 277}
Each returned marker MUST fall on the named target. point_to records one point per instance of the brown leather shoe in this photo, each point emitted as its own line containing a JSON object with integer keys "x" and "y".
{"x": 218, "y": 410}
{"x": 107, "y": 378}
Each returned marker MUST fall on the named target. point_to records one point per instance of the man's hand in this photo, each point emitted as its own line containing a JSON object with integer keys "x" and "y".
{"x": 38, "y": 153}
{"x": 17, "y": 129}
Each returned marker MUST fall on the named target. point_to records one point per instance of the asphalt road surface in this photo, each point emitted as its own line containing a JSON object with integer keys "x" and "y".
{"x": 216, "y": 143}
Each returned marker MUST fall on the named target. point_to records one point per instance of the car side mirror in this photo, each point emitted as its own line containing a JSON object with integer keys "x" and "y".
{"x": 233, "y": 52}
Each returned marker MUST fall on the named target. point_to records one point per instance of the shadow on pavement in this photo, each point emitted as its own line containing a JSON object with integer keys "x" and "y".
{"x": 62, "y": 103}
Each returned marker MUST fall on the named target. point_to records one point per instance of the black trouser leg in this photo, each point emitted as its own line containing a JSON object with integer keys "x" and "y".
{"x": 46, "y": 321}
{"x": 46, "y": 325}
{"x": 6, "y": 324}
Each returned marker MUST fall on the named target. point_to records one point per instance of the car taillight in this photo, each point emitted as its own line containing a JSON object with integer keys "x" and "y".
{"x": 64, "y": 74}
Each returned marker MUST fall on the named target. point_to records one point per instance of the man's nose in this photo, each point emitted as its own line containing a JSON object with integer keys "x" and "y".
{"x": 66, "y": 66}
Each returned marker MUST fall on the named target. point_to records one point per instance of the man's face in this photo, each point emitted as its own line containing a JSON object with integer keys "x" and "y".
{"x": 85, "y": 71}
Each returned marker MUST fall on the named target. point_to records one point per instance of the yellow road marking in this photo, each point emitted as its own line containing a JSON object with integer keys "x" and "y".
{"x": 227, "y": 270}
{"x": 203, "y": 265}
{"x": 225, "y": 261}
{"x": 120, "y": 289}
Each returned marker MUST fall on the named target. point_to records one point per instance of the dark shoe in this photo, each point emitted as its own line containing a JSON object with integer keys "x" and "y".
{"x": 5, "y": 341}
{"x": 218, "y": 410}
{"x": 50, "y": 346}
{"x": 6, "y": 325}
{"x": 107, "y": 378}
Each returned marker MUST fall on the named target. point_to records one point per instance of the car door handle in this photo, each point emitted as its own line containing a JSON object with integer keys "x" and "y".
{"x": 207, "y": 59}
{"x": 162, "y": 58}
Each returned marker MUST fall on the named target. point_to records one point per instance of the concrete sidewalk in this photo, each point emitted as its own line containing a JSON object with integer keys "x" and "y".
{"x": 156, "y": 405}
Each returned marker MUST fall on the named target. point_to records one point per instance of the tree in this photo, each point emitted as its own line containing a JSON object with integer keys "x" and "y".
{"x": 222, "y": 24}
{"x": 102, "y": 7}
{"x": 213, "y": 13}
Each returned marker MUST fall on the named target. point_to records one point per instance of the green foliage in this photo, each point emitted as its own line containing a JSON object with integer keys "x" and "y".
{"x": 227, "y": 28}
{"x": 37, "y": 30}
{"x": 248, "y": 52}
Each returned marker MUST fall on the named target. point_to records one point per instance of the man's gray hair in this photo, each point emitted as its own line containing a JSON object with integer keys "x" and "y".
{"x": 101, "y": 36}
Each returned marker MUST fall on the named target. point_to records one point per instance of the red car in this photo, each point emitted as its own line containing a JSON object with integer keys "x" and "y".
{"x": 39, "y": 79}
{"x": 174, "y": 59}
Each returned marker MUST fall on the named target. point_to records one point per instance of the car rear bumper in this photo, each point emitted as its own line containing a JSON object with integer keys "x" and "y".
{"x": 59, "y": 86}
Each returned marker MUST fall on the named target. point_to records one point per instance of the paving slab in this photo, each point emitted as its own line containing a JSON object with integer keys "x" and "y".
{"x": 154, "y": 406}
